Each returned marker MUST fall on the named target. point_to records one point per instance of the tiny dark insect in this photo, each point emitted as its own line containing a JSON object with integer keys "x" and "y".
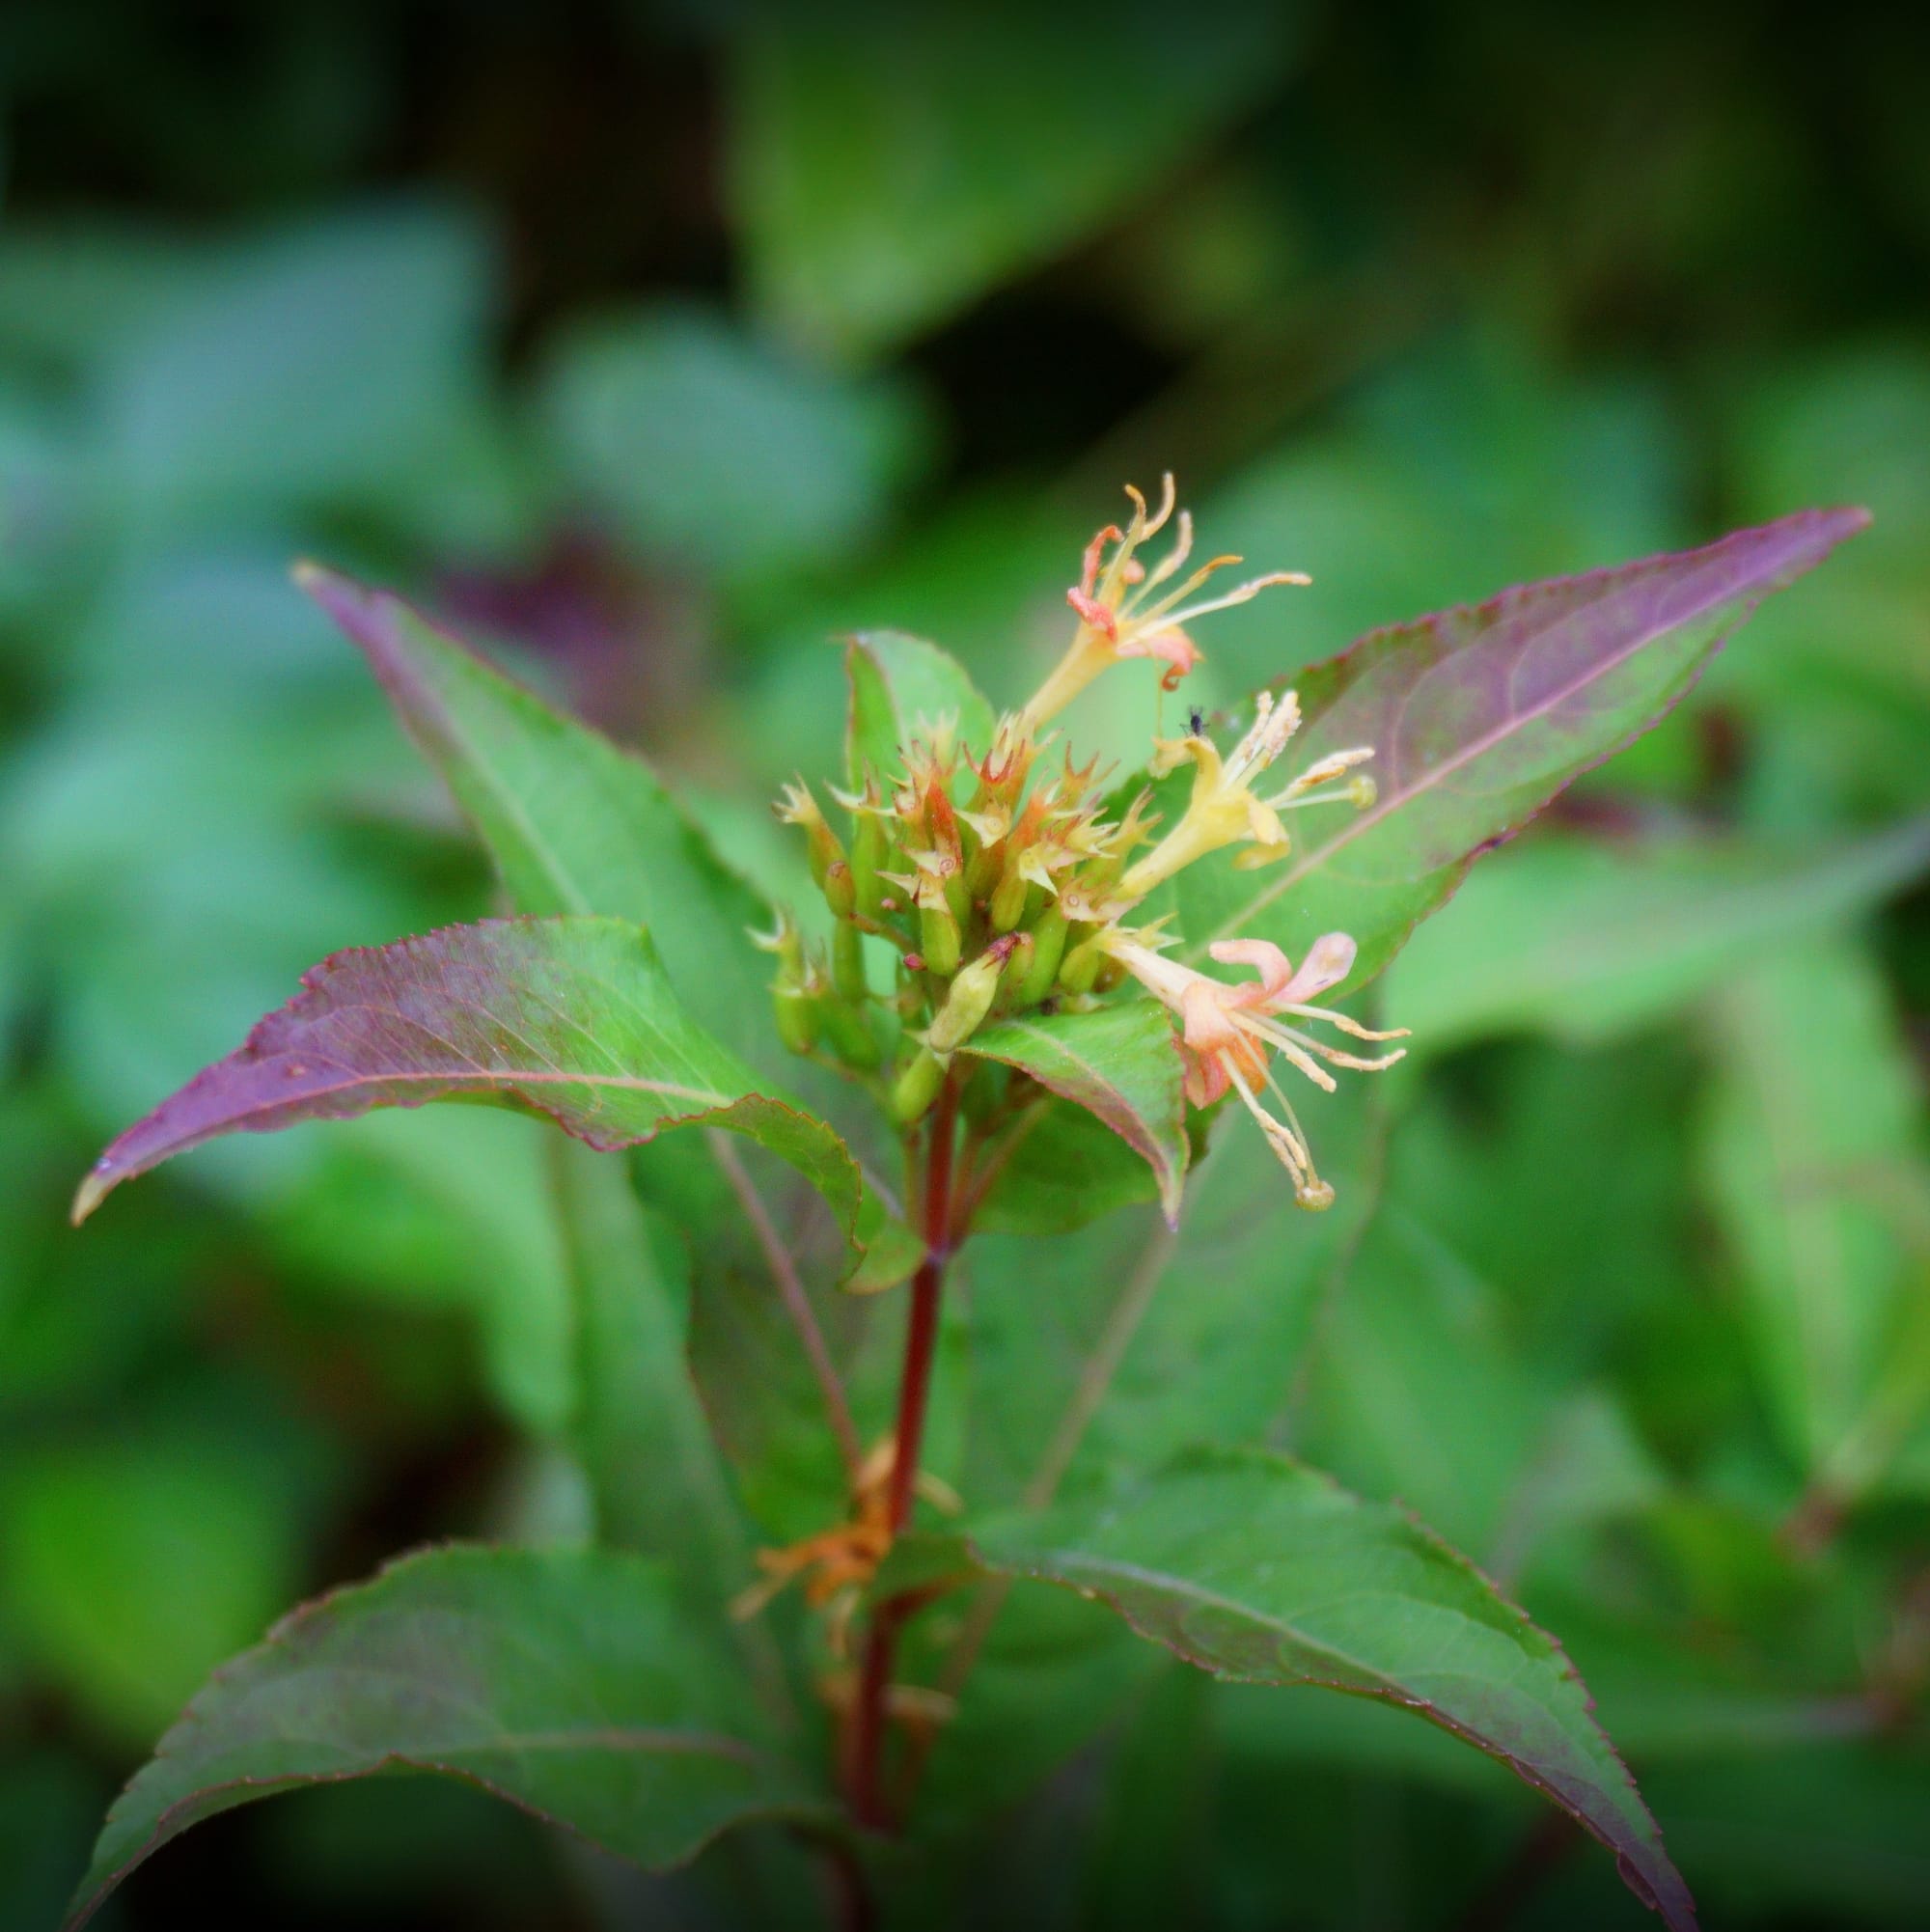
{"x": 1198, "y": 725}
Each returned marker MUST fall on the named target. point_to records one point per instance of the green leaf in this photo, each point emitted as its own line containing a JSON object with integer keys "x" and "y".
{"x": 658, "y": 1486}
{"x": 705, "y": 448}
{"x": 1108, "y": 1349}
{"x": 422, "y": 1210}
{"x": 565, "y": 1681}
{"x": 1496, "y": 1454}
{"x": 1478, "y": 717}
{"x": 1060, "y": 1169}
{"x": 890, "y": 166}
{"x": 1608, "y": 1255}
{"x": 1585, "y": 940}
{"x": 1047, "y": 1677}
{"x": 1121, "y": 1063}
{"x": 903, "y": 688}
{"x": 657, "y": 1483}
{"x": 571, "y": 1020}
{"x": 573, "y": 823}
{"x": 892, "y": 1250}
{"x": 1262, "y": 1571}
{"x": 1392, "y": 1418}
{"x": 1813, "y": 1106}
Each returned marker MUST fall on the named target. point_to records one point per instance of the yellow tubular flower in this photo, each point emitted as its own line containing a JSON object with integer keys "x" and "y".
{"x": 1225, "y": 808}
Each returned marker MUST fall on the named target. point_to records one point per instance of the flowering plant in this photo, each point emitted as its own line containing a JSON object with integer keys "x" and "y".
{"x": 843, "y": 1519}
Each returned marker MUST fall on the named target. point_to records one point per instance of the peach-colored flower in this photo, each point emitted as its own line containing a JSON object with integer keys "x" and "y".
{"x": 1228, "y": 1030}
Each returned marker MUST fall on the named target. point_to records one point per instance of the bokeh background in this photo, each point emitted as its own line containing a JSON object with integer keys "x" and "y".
{"x": 655, "y": 344}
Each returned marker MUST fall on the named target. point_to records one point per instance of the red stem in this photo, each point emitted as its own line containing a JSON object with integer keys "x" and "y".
{"x": 864, "y": 1739}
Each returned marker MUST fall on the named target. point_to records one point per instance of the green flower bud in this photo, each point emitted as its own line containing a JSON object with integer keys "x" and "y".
{"x": 848, "y": 1034}
{"x": 1035, "y": 978}
{"x": 970, "y": 999}
{"x": 917, "y": 1087}
{"x": 984, "y": 869}
{"x": 796, "y": 1013}
{"x": 1009, "y": 900}
{"x": 841, "y": 890}
{"x": 1018, "y": 968}
{"x": 848, "y": 962}
{"x": 798, "y": 807}
{"x": 957, "y": 896}
{"x": 1080, "y": 967}
{"x": 871, "y": 854}
{"x": 938, "y": 938}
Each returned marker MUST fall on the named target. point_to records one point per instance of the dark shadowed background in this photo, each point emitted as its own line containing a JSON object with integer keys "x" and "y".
{"x": 652, "y": 343}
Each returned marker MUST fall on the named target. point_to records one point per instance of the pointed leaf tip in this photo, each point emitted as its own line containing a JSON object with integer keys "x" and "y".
{"x": 571, "y": 1020}
{"x": 1259, "y": 1570}
{"x": 347, "y": 603}
{"x": 1479, "y": 717}
{"x": 93, "y": 1189}
{"x": 572, "y": 1683}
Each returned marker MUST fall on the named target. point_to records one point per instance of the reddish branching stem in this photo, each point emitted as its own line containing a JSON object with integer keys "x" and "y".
{"x": 865, "y": 1735}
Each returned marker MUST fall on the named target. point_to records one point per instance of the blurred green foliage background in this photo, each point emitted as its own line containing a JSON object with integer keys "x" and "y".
{"x": 650, "y": 344}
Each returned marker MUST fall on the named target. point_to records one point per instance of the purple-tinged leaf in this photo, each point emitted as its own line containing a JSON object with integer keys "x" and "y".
{"x": 566, "y": 1681}
{"x": 573, "y": 823}
{"x": 569, "y": 1019}
{"x": 1478, "y": 717}
{"x": 1262, "y": 1571}
{"x": 1121, "y": 1063}
{"x": 576, "y": 824}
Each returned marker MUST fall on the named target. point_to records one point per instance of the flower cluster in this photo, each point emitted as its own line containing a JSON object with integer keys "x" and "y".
{"x": 996, "y": 879}
{"x": 1003, "y": 879}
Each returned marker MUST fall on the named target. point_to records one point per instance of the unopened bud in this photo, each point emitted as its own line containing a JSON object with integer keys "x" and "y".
{"x": 841, "y": 892}
{"x": 917, "y": 1087}
{"x": 1033, "y": 980}
{"x": 1008, "y": 899}
{"x": 970, "y": 999}
{"x": 796, "y": 1015}
{"x": 938, "y": 938}
{"x": 848, "y": 962}
{"x": 848, "y": 1034}
{"x": 1080, "y": 967}
{"x": 987, "y": 862}
{"x": 870, "y": 852}
{"x": 799, "y": 807}
{"x": 1018, "y": 968}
